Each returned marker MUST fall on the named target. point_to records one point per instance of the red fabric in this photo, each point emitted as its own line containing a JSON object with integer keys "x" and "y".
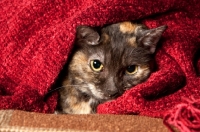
{"x": 185, "y": 116}
{"x": 36, "y": 38}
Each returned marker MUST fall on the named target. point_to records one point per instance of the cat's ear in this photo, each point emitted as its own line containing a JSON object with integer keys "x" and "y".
{"x": 149, "y": 37}
{"x": 87, "y": 35}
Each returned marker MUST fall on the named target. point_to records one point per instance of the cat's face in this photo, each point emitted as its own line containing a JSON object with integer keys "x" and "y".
{"x": 108, "y": 63}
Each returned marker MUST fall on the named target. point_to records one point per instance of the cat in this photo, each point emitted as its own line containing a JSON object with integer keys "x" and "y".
{"x": 106, "y": 63}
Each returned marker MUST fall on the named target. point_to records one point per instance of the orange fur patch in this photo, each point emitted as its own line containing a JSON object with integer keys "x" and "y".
{"x": 127, "y": 27}
{"x": 106, "y": 38}
{"x": 80, "y": 59}
{"x": 132, "y": 42}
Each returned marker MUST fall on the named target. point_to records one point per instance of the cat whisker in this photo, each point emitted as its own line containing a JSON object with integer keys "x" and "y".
{"x": 69, "y": 86}
{"x": 55, "y": 89}
{"x": 76, "y": 86}
{"x": 72, "y": 85}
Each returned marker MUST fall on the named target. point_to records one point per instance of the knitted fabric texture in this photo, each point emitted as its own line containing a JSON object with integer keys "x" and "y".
{"x": 185, "y": 116}
{"x": 36, "y": 38}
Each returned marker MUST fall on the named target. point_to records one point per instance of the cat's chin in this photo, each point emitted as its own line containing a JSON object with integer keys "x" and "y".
{"x": 100, "y": 100}
{"x": 105, "y": 99}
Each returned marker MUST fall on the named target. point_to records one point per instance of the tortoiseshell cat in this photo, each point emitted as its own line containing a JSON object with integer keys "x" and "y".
{"x": 106, "y": 64}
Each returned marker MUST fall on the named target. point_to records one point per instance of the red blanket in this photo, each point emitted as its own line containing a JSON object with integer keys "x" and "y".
{"x": 36, "y": 38}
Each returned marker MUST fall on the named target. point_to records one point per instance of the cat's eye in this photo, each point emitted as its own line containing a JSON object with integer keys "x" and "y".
{"x": 96, "y": 65}
{"x": 131, "y": 69}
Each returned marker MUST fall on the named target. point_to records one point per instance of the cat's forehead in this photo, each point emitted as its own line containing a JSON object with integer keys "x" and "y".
{"x": 119, "y": 44}
{"x": 127, "y": 27}
{"x": 124, "y": 32}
